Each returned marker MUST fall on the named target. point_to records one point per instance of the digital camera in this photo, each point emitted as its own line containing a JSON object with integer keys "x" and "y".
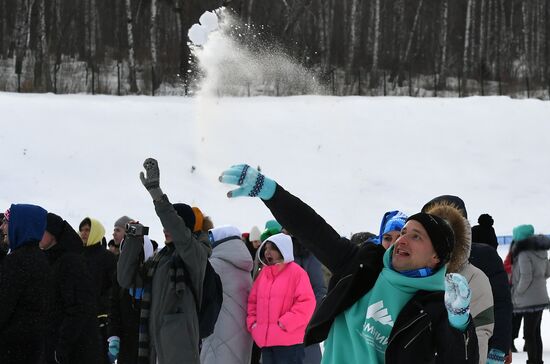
{"x": 136, "y": 230}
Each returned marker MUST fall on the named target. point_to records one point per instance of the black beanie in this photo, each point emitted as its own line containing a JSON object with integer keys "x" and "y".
{"x": 484, "y": 232}
{"x": 54, "y": 224}
{"x": 186, "y": 213}
{"x": 440, "y": 232}
{"x": 453, "y": 200}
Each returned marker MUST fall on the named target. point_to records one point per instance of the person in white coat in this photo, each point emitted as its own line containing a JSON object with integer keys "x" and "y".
{"x": 231, "y": 342}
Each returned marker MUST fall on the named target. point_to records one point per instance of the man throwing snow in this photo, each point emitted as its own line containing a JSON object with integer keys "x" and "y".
{"x": 383, "y": 306}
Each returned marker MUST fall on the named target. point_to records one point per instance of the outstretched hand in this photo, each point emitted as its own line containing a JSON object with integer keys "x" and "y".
{"x": 251, "y": 182}
{"x": 151, "y": 178}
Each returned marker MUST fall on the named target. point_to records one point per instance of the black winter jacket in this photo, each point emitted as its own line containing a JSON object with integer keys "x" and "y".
{"x": 421, "y": 333}
{"x": 73, "y": 331}
{"x": 487, "y": 259}
{"x": 102, "y": 265}
{"x": 124, "y": 322}
{"x": 24, "y": 302}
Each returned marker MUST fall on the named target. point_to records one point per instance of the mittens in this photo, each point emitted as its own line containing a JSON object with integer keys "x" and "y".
{"x": 495, "y": 356}
{"x": 114, "y": 348}
{"x": 457, "y": 300}
{"x": 252, "y": 183}
{"x": 151, "y": 178}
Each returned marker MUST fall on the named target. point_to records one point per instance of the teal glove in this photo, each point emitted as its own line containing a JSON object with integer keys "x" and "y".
{"x": 457, "y": 300}
{"x": 495, "y": 356}
{"x": 252, "y": 182}
{"x": 151, "y": 178}
{"x": 114, "y": 348}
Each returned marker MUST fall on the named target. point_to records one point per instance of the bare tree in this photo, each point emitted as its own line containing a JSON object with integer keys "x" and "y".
{"x": 42, "y": 67}
{"x": 154, "y": 44}
{"x": 131, "y": 51}
{"x": 376, "y": 34}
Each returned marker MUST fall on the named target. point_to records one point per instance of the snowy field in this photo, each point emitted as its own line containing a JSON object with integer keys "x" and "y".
{"x": 350, "y": 158}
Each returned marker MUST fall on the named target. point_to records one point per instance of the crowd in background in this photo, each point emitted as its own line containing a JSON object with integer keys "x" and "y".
{"x": 72, "y": 297}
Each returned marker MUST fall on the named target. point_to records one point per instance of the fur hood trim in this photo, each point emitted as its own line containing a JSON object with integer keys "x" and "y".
{"x": 463, "y": 233}
{"x": 535, "y": 242}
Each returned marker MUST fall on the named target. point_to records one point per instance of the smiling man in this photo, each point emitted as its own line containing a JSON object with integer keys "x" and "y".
{"x": 383, "y": 306}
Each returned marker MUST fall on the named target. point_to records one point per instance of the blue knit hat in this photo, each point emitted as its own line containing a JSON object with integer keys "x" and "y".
{"x": 391, "y": 221}
{"x": 522, "y": 232}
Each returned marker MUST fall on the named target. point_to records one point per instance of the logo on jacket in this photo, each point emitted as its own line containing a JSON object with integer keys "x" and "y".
{"x": 377, "y": 312}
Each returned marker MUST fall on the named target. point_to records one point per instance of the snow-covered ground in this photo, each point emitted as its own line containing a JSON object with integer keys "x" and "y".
{"x": 350, "y": 158}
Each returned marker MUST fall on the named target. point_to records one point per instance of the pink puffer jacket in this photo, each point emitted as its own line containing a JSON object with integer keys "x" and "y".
{"x": 280, "y": 305}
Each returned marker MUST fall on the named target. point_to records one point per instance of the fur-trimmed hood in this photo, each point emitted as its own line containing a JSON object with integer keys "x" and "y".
{"x": 535, "y": 243}
{"x": 463, "y": 233}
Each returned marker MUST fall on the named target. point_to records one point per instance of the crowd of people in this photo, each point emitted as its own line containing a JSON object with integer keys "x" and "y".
{"x": 425, "y": 288}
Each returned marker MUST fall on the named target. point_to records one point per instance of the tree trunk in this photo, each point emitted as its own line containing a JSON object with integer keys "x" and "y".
{"x": 42, "y": 67}
{"x": 443, "y": 41}
{"x": 131, "y": 56}
{"x": 154, "y": 44}
{"x": 354, "y": 19}
{"x": 376, "y": 35}
{"x": 249, "y": 11}
{"x": 22, "y": 32}
{"x": 467, "y": 40}
{"x": 413, "y": 32}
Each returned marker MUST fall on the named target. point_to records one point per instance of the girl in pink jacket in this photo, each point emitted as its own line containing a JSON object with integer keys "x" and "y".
{"x": 280, "y": 304}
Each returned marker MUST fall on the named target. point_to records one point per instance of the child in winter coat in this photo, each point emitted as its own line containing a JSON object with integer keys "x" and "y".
{"x": 280, "y": 304}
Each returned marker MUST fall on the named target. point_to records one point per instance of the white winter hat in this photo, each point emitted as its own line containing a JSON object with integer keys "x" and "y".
{"x": 254, "y": 234}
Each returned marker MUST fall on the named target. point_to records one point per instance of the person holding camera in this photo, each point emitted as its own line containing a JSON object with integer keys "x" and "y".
{"x": 169, "y": 327}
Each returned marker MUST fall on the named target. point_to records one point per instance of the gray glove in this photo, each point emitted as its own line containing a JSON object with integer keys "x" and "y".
{"x": 151, "y": 178}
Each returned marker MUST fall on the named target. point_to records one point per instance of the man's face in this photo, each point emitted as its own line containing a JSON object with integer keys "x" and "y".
{"x": 48, "y": 240}
{"x": 85, "y": 233}
{"x": 413, "y": 249}
{"x": 118, "y": 234}
{"x": 389, "y": 238}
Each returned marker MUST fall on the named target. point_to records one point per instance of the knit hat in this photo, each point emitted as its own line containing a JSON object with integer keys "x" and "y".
{"x": 269, "y": 232}
{"x": 199, "y": 218}
{"x": 392, "y": 221}
{"x": 451, "y": 199}
{"x": 484, "y": 232}
{"x": 54, "y": 224}
{"x": 122, "y": 221}
{"x": 273, "y": 225}
{"x": 254, "y": 234}
{"x": 186, "y": 213}
{"x": 440, "y": 232}
{"x": 522, "y": 232}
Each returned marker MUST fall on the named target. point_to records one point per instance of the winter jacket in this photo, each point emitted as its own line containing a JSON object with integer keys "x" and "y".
{"x": 24, "y": 288}
{"x": 482, "y": 304}
{"x": 102, "y": 265}
{"x": 124, "y": 313}
{"x": 487, "y": 259}
{"x": 530, "y": 269}
{"x": 281, "y": 302}
{"x": 173, "y": 321}
{"x": 313, "y": 268}
{"x": 231, "y": 342}
{"x": 124, "y": 323}
{"x": 422, "y": 328}
{"x": 73, "y": 329}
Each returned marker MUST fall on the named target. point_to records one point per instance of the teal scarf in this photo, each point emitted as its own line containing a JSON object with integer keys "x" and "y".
{"x": 360, "y": 334}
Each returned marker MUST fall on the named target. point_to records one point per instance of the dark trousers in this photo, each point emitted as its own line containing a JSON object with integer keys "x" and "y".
{"x": 516, "y": 323}
{"x": 533, "y": 340}
{"x": 256, "y": 354}
{"x": 293, "y": 354}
